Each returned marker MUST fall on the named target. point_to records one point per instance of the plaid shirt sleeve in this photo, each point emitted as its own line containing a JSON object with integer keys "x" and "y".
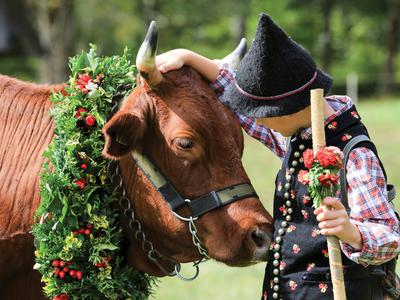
{"x": 273, "y": 140}
{"x": 371, "y": 212}
{"x": 225, "y": 76}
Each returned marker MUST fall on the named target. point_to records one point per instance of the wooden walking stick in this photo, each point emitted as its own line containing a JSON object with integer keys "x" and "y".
{"x": 318, "y": 136}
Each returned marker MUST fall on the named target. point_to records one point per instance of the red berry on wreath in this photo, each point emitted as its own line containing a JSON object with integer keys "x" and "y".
{"x": 79, "y": 112}
{"x": 57, "y": 272}
{"x": 69, "y": 263}
{"x": 64, "y": 297}
{"x": 62, "y": 264}
{"x": 81, "y": 183}
{"x": 56, "y": 263}
{"x": 84, "y": 77}
{"x": 90, "y": 226}
{"x": 87, "y": 231}
{"x": 79, "y": 275}
{"x": 84, "y": 166}
{"x": 65, "y": 270}
{"x": 61, "y": 274}
{"x": 90, "y": 120}
{"x": 72, "y": 273}
{"x": 81, "y": 230}
{"x": 75, "y": 232}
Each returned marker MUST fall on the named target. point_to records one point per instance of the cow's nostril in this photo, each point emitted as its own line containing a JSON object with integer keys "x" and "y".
{"x": 260, "y": 238}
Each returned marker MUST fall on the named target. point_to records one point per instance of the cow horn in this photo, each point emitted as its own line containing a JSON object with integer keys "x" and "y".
{"x": 236, "y": 56}
{"x": 146, "y": 57}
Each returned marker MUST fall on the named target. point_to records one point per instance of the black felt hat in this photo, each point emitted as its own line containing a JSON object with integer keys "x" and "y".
{"x": 275, "y": 76}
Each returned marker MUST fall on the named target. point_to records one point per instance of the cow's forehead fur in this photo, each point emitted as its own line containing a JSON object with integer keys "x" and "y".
{"x": 185, "y": 99}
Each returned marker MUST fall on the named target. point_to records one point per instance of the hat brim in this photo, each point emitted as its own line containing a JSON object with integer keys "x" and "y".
{"x": 246, "y": 106}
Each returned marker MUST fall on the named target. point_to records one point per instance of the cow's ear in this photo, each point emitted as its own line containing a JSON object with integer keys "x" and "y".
{"x": 123, "y": 132}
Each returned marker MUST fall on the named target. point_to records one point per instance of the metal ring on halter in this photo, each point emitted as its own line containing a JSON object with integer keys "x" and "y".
{"x": 184, "y": 218}
{"x": 180, "y": 276}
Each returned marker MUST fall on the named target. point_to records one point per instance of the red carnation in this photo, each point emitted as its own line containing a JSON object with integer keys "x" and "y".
{"x": 90, "y": 120}
{"x": 308, "y": 157}
{"x": 79, "y": 112}
{"x": 328, "y": 180}
{"x": 330, "y": 156}
{"x": 303, "y": 177}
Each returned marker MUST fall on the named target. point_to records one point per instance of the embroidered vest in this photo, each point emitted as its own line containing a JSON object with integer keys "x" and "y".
{"x": 298, "y": 266}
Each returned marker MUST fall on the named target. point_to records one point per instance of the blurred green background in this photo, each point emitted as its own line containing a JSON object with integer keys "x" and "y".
{"x": 344, "y": 36}
{"x": 356, "y": 41}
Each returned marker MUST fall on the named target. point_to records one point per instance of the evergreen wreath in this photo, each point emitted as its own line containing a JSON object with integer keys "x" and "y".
{"x": 77, "y": 236}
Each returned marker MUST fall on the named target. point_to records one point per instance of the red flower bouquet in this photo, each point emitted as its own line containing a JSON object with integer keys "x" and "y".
{"x": 322, "y": 176}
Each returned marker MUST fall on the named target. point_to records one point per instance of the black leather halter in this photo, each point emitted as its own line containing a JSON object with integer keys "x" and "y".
{"x": 197, "y": 206}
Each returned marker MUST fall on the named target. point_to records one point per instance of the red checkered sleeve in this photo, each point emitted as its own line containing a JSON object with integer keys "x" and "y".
{"x": 371, "y": 212}
{"x": 273, "y": 140}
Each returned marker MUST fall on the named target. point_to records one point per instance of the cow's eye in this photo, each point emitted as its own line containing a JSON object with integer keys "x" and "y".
{"x": 184, "y": 143}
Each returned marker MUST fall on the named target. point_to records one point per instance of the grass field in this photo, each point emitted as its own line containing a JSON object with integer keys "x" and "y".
{"x": 217, "y": 281}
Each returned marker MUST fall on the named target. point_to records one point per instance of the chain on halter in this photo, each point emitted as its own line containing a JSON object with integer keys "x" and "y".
{"x": 193, "y": 231}
{"x": 136, "y": 227}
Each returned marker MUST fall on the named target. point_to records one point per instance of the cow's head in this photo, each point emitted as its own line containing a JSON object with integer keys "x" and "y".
{"x": 176, "y": 120}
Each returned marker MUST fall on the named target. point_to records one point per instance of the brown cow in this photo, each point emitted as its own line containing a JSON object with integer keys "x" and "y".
{"x": 179, "y": 124}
